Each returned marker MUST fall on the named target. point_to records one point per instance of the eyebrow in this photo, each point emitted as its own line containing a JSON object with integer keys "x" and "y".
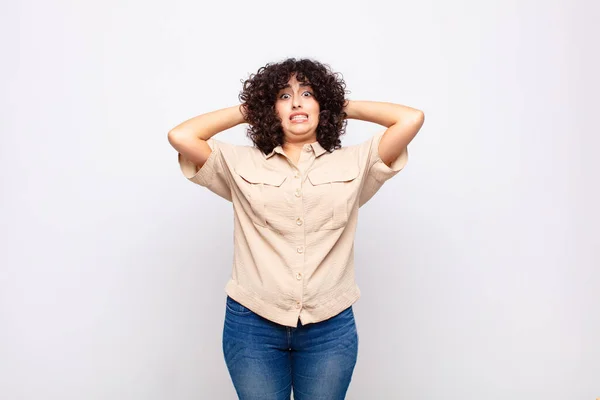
{"x": 301, "y": 85}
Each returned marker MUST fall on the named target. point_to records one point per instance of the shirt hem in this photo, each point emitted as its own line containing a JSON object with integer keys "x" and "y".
{"x": 290, "y": 318}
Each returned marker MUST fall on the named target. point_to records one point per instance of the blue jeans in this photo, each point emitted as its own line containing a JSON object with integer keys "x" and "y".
{"x": 265, "y": 359}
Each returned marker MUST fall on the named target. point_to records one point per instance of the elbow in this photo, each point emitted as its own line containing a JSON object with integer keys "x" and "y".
{"x": 412, "y": 118}
{"x": 174, "y": 137}
{"x": 419, "y": 117}
{"x": 414, "y": 124}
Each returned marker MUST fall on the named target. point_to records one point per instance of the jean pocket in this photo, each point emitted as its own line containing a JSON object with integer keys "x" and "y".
{"x": 236, "y": 308}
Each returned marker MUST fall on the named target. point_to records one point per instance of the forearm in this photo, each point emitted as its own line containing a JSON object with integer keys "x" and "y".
{"x": 207, "y": 125}
{"x": 386, "y": 114}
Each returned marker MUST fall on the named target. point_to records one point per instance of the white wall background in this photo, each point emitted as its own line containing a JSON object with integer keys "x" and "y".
{"x": 486, "y": 279}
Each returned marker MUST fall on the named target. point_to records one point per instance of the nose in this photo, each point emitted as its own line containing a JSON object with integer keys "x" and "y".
{"x": 296, "y": 102}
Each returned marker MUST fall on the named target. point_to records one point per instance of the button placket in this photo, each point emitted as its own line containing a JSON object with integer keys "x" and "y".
{"x": 300, "y": 263}
{"x": 298, "y": 275}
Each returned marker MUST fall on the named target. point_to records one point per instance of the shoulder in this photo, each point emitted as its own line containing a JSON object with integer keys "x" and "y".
{"x": 357, "y": 151}
{"x": 366, "y": 143}
{"x": 234, "y": 153}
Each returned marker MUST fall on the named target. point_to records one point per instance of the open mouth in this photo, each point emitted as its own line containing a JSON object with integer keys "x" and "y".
{"x": 299, "y": 118}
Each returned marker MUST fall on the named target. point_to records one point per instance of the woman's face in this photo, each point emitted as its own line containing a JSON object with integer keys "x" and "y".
{"x": 298, "y": 110}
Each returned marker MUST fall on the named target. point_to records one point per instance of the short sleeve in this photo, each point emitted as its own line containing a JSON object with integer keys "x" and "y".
{"x": 376, "y": 172}
{"x": 215, "y": 173}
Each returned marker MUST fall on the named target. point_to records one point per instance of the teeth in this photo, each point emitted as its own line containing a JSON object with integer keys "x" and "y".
{"x": 299, "y": 117}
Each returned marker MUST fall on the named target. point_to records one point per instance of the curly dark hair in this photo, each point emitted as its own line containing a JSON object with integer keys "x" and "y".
{"x": 259, "y": 95}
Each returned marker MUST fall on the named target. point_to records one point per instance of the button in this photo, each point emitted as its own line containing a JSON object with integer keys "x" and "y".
{"x": 300, "y": 249}
{"x": 298, "y": 305}
{"x": 297, "y": 175}
{"x": 298, "y": 193}
{"x": 307, "y": 147}
{"x": 299, "y": 221}
{"x": 298, "y": 275}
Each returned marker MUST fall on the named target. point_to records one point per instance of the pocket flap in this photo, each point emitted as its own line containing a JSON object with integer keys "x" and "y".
{"x": 322, "y": 175}
{"x": 254, "y": 175}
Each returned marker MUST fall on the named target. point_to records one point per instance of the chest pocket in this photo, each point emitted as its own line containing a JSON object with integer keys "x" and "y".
{"x": 261, "y": 188}
{"x": 333, "y": 190}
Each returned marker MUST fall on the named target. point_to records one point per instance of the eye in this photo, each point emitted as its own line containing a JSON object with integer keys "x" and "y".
{"x": 285, "y": 94}
{"x": 306, "y": 93}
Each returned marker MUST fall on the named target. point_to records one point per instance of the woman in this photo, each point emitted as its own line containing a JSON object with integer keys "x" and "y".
{"x": 289, "y": 320}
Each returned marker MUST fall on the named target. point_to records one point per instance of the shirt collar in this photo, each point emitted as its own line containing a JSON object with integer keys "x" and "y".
{"x": 317, "y": 148}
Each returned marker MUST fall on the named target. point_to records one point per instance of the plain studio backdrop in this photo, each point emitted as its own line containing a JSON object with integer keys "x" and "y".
{"x": 478, "y": 264}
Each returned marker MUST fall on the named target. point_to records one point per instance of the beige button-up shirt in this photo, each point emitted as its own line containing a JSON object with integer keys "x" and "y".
{"x": 294, "y": 225}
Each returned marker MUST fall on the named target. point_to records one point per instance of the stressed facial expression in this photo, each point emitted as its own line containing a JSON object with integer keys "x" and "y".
{"x": 298, "y": 109}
